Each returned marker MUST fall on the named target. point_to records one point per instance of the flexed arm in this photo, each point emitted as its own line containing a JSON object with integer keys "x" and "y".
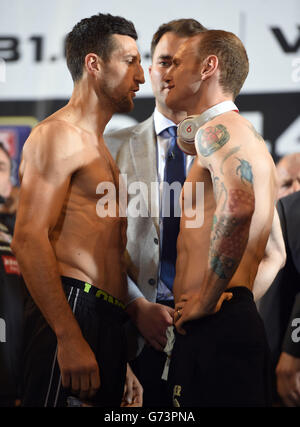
{"x": 232, "y": 178}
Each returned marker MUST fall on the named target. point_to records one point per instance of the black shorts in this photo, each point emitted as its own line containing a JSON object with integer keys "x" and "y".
{"x": 224, "y": 359}
{"x": 101, "y": 320}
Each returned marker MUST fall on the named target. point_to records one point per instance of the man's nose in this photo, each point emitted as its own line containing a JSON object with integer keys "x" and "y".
{"x": 140, "y": 75}
{"x": 167, "y": 75}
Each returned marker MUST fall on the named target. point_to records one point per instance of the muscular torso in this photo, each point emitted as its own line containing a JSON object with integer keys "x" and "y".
{"x": 195, "y": 232}
{"x": 87, "y": 245}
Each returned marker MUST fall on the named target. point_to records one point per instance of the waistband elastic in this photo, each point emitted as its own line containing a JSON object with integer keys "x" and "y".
{"x": 92, "y": 290}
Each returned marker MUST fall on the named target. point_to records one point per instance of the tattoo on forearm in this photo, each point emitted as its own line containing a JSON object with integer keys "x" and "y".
{"x": 230, "y": 234}
{"x": 222, "y": 265}
{"x": 212, "y": 139}
{"x": 224, "y": 245}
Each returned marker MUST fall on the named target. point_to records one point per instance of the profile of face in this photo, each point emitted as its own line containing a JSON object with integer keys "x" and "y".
{"x": 5, "y": 170}
{"x": 288, "y": 171}
{"x": 122, "y": 74}
{"x": 183, "y": 77}
{"x": 161, "y": 62}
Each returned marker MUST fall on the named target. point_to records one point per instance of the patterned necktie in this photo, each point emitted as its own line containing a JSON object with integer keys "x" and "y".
{"x": 174, "y": 172}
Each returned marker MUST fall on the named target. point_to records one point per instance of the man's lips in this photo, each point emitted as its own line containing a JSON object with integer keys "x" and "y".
{"x": 168, "y": 87}
{"x": 134, "y": 90}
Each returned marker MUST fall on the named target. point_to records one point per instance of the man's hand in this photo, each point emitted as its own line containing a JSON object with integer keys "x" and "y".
{"x": 190, "y": 307}
{"x": 133, "y": 391}
{"x": 288, "y": 379}
{"x": 152, "y": 320}
{"x": 78, "y": 367}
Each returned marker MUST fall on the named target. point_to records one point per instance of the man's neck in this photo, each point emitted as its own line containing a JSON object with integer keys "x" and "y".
{"x": 206, "y": 101}
{"x": 175, "y": 116}
{"x": 87, "y": 109}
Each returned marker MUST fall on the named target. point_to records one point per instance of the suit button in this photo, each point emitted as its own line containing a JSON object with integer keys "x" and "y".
{"x": 155, "y": 240}
{"x": 151, "y": 282}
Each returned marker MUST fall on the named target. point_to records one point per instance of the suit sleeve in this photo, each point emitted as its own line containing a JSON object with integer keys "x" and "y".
{"x": 291, "y": 341}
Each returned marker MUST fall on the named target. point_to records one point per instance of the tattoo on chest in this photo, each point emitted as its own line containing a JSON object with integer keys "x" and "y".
{"x": 212, "y": 139}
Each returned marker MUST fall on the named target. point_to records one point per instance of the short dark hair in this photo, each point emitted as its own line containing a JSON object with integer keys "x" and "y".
{"x": 181, "y": 27}
{"x": 232, "y": 56}
{"x": 94, "y": 35}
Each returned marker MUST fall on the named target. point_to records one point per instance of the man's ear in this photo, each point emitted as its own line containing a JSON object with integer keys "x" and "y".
{"x": 209, "y": 66}
{"x": 92, "y": 63}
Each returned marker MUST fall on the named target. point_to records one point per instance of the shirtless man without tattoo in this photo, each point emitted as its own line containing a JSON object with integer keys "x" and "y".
{"x": 220, "y": 356}
{"x": 72, "y": 259}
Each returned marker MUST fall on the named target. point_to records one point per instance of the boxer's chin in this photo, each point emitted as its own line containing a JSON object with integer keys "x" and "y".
{"x": 124, "y": 105}
{"x": 171, "y": 101}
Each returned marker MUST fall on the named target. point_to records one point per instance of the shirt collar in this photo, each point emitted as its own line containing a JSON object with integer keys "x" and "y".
{"x": 161, "y": 122}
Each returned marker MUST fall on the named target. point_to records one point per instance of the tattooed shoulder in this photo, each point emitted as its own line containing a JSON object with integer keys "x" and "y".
{"x": 212, "y": 139}
{"x": 255, "y": 133}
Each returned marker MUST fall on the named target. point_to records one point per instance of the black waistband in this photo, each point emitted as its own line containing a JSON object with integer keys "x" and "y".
{"x": 92, "y": 290}
{"x": 240, "y": 291}
{"x": 240, "y": 295}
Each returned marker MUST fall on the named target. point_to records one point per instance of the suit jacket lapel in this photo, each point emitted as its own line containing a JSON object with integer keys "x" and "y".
{"x": 144, "y": 154}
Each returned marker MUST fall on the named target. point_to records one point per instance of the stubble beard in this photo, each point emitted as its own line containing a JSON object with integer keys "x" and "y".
{"x": 121, "y": 104}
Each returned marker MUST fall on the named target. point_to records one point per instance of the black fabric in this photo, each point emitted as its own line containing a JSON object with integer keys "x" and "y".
{"x": 148, "y": 367}
{"x": 291, "y": 342}
{"x": 276, "y": 306}
{"x": 8, "y": 220}
{"x": 12, "y": 295}
{"x": 101, "y": 324}
{"x": 223, "y": 360}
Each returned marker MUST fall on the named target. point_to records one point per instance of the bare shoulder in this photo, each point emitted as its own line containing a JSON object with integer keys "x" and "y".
{"x": 236, "y": 125}
{"x": 225, "y": 132}
{"x": 53, "y": 141}
{"x": 239, "y": 125}
{"x": 54, "y": 133}
{"x": 229, "y": 143}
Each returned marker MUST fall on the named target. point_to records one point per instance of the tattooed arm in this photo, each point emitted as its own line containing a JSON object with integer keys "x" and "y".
{"x": 232, "y": 177}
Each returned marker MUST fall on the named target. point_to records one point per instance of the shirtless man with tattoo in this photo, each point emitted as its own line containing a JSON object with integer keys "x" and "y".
{"x": 220, "y": 356}
{"x": 72, "y": 259}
